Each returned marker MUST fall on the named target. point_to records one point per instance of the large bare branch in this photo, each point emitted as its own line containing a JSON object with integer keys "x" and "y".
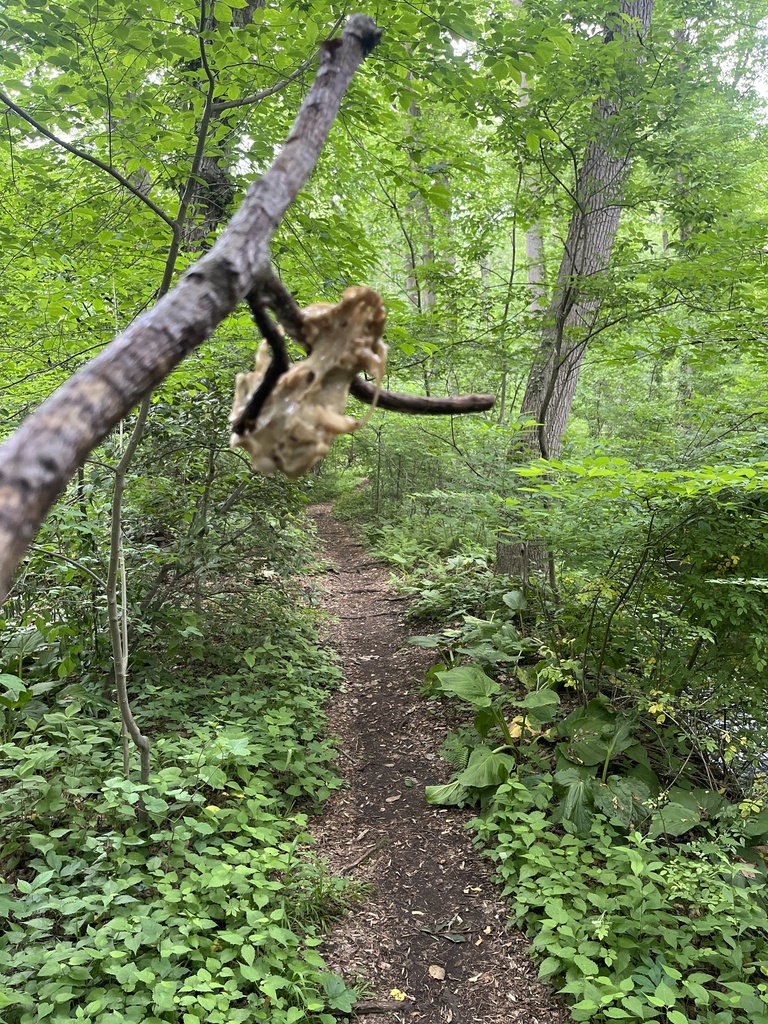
{"x": 45, "y": 452}
{"x": 257, "y": 97}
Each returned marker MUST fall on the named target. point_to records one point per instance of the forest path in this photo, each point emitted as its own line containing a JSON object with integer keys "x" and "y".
{"x": 434, "y": 927}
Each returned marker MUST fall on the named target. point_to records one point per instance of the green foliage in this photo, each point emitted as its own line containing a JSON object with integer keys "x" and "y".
{"x": 460, "y": 585}
{"x": 622, "y": 699}
{"x": 630, "y": 929}
{"x": 646, "y": 897}
{"x": 213, "y": 907}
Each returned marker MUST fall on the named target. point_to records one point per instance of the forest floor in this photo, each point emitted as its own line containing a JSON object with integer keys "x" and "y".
{"x": 433, "y": 927}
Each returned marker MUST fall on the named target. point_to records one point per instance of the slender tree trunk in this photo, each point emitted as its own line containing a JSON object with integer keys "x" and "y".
{"x": 536, "y": 268}
{"x": 117, "y": 608}
{"x": 516, "y": 557}
{"x": 534, "y": 240}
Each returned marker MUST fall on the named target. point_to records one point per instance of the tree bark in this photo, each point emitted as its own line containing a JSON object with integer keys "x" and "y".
{"x": 571, "y": 315}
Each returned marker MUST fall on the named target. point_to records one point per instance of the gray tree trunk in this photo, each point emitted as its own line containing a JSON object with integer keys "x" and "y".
{"x": 571, "y": 315}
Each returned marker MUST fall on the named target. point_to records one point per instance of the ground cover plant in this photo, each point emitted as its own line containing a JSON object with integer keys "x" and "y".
{"x": 197, "y": 896}
{"x": 629, "y": 842}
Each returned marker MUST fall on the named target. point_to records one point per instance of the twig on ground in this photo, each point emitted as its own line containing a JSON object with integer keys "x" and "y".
{"x": 364, "y": 856}
{"x": 386, "y": 1006}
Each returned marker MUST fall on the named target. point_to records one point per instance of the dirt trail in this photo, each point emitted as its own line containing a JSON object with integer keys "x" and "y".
{"x": 434, "y": 908}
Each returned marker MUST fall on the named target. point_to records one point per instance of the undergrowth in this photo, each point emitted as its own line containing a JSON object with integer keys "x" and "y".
{"x": 628, "y": 827}
{"x": 212, "y": 908}
{"x": 629, "y": 928}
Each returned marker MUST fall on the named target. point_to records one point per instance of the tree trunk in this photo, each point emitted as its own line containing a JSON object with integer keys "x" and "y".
{"x": 571, "y": 315}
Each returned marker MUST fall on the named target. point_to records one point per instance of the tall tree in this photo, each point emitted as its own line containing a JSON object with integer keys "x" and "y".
{"x": 598, "y": 194}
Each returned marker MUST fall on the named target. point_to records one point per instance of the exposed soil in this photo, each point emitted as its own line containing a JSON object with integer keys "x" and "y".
{"x": 434, "y": 928}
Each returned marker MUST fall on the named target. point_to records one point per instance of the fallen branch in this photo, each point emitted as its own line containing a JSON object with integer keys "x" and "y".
{"x": 382, "y": 843}
{"x": 385, "y": 1006}
{"x": 39, "y": 459}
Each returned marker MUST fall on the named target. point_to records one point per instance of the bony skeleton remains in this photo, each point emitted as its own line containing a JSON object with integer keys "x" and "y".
{"x": 304, "y": 411}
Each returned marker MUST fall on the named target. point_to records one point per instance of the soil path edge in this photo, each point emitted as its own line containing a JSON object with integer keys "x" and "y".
{"x": 434, "y": 928}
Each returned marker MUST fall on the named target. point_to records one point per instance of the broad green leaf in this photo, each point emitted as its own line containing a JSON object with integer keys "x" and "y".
{"x": 674, "y": 819}
{"x": 540, "y": 705}
{"x": 163, "y": 996}
{"x": 621, "y": 799}
{"x": 755, "y": 826}
{"x": 585, "y": 965}
{"x": 12, "y": 689}
{"x": 486, "y": 768}
{"x": 469, "y": 683}
{"x": 515, "y": 600}
{"x": 676, "y": 1017}
{"x": 577, "y": 800}
{"x": 453, "y": 794}
{"x": 549, "y": 966}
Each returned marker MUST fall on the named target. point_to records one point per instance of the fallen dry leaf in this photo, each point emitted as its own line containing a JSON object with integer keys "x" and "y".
{"x": 391, "y": 799}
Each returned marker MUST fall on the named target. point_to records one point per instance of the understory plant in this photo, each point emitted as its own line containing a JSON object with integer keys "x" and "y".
{"x": 622, "y": 837}
{"x": 196, "y": 897}
{"x": 629, "y": 927}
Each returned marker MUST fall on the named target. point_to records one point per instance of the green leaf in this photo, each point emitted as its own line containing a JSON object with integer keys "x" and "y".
{"x": 515, "y": 600}
{"x": 540, "y": 704}
{"x": 469, "y": 683}
{"x": 596, "y": 734}
{"x": 673, "y": 819}
{"x": 756, "y": 825}
{"x": 621, "y": 799}
{"x": 163, "y": 996}
{"x": 551, "y": 965}
{"x": 40, "y": 688}
{"x": 453, "y": 794}
{"x": 15, "y": 693}
{"x": 577, "y": 800}
{"x": 585, "y": 965}
{"x": 155, "y": 805}
{"x": 486, "y": 768}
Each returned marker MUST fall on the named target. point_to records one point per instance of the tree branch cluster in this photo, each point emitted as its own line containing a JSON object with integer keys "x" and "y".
{"x": 45, "y": 452}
